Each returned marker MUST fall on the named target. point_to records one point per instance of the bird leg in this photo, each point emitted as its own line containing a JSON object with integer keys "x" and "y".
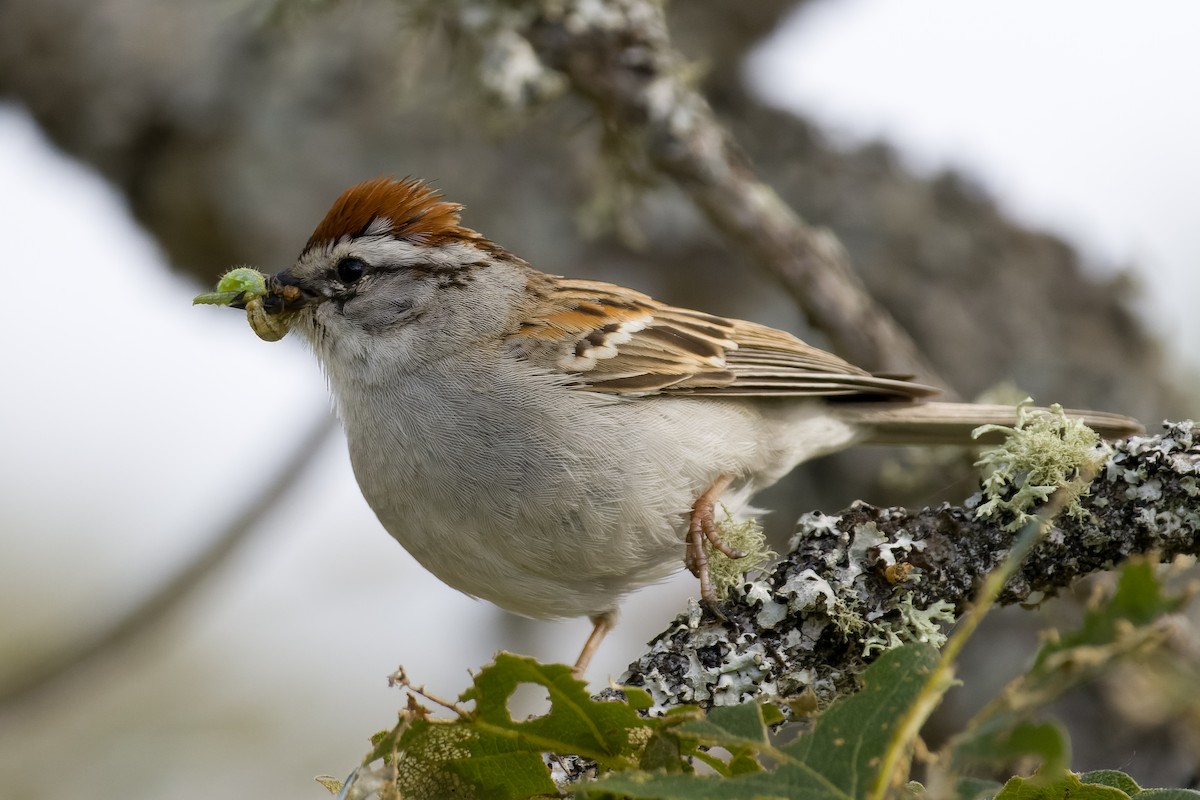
{"x": 603, "y": 624}
{"x": 703, "y": 526}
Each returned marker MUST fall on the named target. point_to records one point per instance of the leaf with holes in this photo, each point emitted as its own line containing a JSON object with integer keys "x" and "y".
{"x": 612, "y": 734}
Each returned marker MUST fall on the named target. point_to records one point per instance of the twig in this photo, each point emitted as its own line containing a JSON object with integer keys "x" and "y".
{"x": 897, "y": 756}
{"x": 617, "y": 54}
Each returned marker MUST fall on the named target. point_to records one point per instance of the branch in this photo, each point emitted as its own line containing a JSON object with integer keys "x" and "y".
{"x": 617, "y": 55}
{"x": 869, "y": 578}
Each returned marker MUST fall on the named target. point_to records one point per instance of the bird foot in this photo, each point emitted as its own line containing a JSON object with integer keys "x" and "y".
{"x": 703, "y": 527}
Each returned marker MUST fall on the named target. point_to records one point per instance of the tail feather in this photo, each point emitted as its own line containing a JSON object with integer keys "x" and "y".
{"x": 952, "y": 423}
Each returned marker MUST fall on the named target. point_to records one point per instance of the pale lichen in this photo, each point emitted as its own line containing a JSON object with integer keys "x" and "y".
{"x": 915, "y": 624}
{"x": 510, "y": 70}
{"x": 842, "y": 599}
{"x": 1045, "y": 452}
{"x": 903, "y": 574}
{"x": 746, "y": 536}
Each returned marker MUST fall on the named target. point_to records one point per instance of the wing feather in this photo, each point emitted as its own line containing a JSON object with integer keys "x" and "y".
{"x": 618, "y": 341}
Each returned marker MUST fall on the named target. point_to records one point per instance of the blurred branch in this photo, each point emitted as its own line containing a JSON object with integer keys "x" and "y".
{"x": 184, "y": 107}
{"x": 617, "y": 54}
{"x": 870, "y": 578}
{"x": 171, "y": 596}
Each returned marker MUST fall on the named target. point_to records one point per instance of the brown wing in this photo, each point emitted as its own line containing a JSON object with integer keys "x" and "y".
{"x": 622, "y": 342}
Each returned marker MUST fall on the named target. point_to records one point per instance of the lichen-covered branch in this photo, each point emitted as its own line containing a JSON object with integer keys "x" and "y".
{"x": 617, "y": 54}
{"x": 864, "y": 580}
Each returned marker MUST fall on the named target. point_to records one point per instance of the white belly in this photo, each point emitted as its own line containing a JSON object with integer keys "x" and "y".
{"x": 554, "y": 503}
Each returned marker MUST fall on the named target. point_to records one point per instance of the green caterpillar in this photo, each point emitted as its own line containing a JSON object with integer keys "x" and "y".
{"x": 242, "y": 284}
{"x": 246, "y": 286}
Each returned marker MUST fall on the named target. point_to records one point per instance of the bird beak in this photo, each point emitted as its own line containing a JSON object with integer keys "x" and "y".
{"x": 285, "y": 294}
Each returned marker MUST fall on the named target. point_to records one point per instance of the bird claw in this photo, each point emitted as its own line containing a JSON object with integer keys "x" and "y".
{"x": 702, "y": 527}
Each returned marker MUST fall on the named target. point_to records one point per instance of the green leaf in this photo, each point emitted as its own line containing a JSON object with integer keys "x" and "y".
{"x": 741, "y": 730}
{"x": 1114, "y": 630}
{"x": 1066, "y": 787}
{"x": 1004, "y": 743}
{"x": 434, "y": 752}
{"x": 610, "y": 733}
{"x": 450, "y": 758}
{"x": 500, "y": 773}
{"x": 760, "y": 786}
{"x": 486, "y": 754}
{"x": 729, "y": 727}
{"x": 837, "y": 759}
{"x": 1138, "y": 601}
{"x": 637, "y": 697}
{"x": 1098, "y": 785}
{"x": 718, "y": 766}
{"x": 975, "y": 789}
{"x": 852, "y": 735}
{"x": 744, "y": 762}
{"x": 771, "y": 714}
{"x": 1111, "y": 777}
{"x": 662, "y": 753}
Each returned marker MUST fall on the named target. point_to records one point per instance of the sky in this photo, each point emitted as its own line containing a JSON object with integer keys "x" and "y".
{"x": 128, "y": 417}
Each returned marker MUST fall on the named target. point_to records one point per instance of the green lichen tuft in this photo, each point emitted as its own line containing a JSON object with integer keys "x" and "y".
{"x": 912, "y": 624}
{"x": 746, "y": 536}
{"x": 1045, "y": 451}
{"x": 846, "y": 618}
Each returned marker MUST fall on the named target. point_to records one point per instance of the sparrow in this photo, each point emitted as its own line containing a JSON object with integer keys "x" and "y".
{"x": 551, "y": 444}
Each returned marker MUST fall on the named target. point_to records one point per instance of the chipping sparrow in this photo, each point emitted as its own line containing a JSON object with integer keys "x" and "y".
{"x": 551, "y": 444}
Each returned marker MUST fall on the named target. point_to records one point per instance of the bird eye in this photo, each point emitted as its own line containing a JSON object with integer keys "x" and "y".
{"x": 350, "y": 269}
